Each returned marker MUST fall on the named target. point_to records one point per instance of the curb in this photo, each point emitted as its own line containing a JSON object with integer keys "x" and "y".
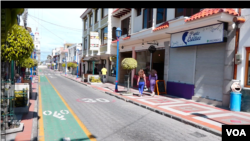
{"x": 215, "y": 132}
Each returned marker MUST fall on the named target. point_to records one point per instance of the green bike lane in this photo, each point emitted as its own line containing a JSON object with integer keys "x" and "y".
{"x": 58, "y": 119}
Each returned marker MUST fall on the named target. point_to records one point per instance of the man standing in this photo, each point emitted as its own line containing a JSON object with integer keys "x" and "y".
{"x": 104, "y": 73}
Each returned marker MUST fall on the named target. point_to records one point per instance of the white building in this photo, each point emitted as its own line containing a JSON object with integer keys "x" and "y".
{"x": 37, "y": 45}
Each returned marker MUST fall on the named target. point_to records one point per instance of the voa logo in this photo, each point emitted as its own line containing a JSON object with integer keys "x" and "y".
{"x": 236, "y": 132}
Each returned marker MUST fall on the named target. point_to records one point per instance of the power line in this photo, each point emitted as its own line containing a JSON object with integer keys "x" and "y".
{"x": 49, "y": 30}
{"x": 76, "y": 29}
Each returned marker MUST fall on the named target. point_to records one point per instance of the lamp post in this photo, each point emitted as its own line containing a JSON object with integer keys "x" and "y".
{"x": 77, "y": 63}
{"x": 66, "y": 63}
{"x": 118, "y": 34}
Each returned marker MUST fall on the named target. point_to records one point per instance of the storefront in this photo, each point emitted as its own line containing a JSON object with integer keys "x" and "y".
{"x": 199, "y": 63}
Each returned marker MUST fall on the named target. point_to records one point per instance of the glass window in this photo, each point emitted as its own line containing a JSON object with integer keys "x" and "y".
{"x": 112, "y": 67}
{"x": 125, "y": 25}
{"x": 96, "y": 15}
{"x": 85, "y": 43}
{"x": 104, "y": 12}
{"x": 160, "y": 14}
{"x": 138, "y": 10}
{"x": 90, "y": 20}
{"x": 145, "y": 18}
{"x": 104, "y": 32}
{"x": 86, "y": 24}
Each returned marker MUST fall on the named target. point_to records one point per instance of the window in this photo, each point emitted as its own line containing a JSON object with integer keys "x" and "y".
{"x": 85, "y": 43}
{"x": 113, "y": 33}
{"x": 161, "y": 15}
{"x": 138, "y": 11}
{"x": 90, "y": 20}
{"x": 104, "y": 12}
{"x": 85, "y": 24}
{"x": 247, "y": 68}
{"x": 186, "y": 11}
{"x": 104, "y": 35}
{"x": 37, "y": 46}
{"x": 36, "y": 39}
{"x": 112, "y": 67}
{"x": 147, "y": 18}
{"x": 125, "y": 25}
{"x": 96, "y": 15}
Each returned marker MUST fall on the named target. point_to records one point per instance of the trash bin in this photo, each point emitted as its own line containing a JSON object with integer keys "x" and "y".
{"x": 235, "y": 101}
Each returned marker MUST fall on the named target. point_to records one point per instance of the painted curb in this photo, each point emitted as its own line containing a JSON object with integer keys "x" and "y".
{"x": 210, "y": 130}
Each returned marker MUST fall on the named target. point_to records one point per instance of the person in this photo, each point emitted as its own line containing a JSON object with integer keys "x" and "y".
{"x": 104, "y": 73}
{"x": 18, "y": 78}
{"x": 152, "y": 79}
{"x": 141, "y": 81}
{"x": 95, "y": 70}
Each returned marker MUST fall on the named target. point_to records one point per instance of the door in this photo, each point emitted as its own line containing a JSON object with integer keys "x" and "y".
{"x": 209, "y": 71}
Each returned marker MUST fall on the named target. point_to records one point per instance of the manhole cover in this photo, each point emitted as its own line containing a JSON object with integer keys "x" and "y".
{"x": 198, "y": 135}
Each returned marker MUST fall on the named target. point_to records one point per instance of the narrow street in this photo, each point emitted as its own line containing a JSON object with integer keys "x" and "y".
{"x": 103, "y": 117}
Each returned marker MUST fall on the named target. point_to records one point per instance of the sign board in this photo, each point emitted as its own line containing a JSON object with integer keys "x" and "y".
{"x": 94, "y": 41}
{"x": 160, "y": 87}
{"x": 204, "y": 35}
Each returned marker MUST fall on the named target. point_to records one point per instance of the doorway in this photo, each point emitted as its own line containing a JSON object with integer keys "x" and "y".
{"x": 123, "y": 72}
{"x": 158, "y": 63}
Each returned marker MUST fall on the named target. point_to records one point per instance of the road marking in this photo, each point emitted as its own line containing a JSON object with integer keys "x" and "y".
{"x": 52, "y": 77}
{"x": 67, "y": 112}
{"x": 45, "y": 113}
{"x": 90, "y": 136}
{"x": 40, "y": 126}
{"x": 89, "y": 100}
{"x": 102, "y": 100}
{"x": 58, "y": 115}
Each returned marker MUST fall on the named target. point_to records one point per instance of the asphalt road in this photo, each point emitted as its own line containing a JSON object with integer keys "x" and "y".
{"x": 112, "y": 119}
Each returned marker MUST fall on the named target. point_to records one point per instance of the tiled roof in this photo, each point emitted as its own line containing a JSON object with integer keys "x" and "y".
{"x": 115, "y": 10}
{"x": 162, "y": 26}
{"x": 126, "y": 38}
{"x": 211, "y": 11}
{"x": 114, "y": 41}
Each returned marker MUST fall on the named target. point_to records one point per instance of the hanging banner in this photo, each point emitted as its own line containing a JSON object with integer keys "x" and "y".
{"x": 204, "y": 35}
{"x": 94, "y": 41}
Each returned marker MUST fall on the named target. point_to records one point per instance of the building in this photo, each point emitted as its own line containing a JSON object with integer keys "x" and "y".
{"x": 242, "y": 63}
{"x": 37, "y": 44}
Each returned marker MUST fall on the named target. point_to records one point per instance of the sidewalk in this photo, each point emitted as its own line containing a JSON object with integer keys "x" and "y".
{"x": 30, "y": 119}
{"x": 203, "y": 116}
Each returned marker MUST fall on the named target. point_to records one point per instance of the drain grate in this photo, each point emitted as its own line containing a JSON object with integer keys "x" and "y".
{"x": 198, "y": 135}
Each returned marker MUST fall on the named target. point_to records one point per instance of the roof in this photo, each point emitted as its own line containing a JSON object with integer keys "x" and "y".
{"x": 115, "y": 10}
{"x": 162, "y": 26}
{"x": 114, "y": 41}
{"x": 126, "y": 38}
{"x": 211, "y": 11}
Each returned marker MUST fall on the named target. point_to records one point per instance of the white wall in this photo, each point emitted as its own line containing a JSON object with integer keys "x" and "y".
{"x": 244, "y": 41}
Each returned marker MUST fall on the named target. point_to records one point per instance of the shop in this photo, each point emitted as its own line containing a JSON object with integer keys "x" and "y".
{"x": 199, "y": 63}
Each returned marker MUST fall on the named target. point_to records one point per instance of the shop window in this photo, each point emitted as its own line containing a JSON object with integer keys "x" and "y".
{"x": 104, "y": 35}
{"x": 186, "y": 11}
{"x": 104, "y": 12}
{"x": 85, "y": 24}
{"x": 125, "y": 25}
{"x": 90, "y": 20}
{"x": 113, "y": 33}
{"x": 147, "y": 18}
{"x": 161, "y": 15}
{"x": 143, "y": 62}
{"x": 138, "y": 11}
{"x": 247, "y": 68}
{"x": 85, "y": 43}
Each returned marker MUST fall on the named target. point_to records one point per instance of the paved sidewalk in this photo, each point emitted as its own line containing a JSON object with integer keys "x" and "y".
{"x": 200, "y": 115}
{"x": 28, "y": 119}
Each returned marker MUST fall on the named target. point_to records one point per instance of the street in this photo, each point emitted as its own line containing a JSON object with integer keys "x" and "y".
{"x": 103, "y": 117}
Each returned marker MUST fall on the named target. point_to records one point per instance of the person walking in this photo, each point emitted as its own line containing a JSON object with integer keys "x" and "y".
{"x": 152, "y": 79}
{"x": 141, "y": 81}
{"x": 104, "y": 73}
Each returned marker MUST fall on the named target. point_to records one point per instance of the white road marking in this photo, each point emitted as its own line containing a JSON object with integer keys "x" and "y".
{"x": 49, "y": 113}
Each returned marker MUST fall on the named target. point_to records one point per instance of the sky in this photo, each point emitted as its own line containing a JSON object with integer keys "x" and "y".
{"x": 68, "y": 27}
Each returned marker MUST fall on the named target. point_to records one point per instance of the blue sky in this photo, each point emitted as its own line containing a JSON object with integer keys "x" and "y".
{"x": 52, "y": 36}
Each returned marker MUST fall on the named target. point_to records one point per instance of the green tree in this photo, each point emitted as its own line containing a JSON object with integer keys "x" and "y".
{"x": 19, "y": 47}
{"x": 129, "y": 64}
{"x": 27, "y": 63}
{"x": 35, "y": 62}
{"x": 63, "y": 65}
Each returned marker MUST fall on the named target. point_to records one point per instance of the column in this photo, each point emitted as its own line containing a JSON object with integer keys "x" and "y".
{"x": 133, "y": 71}
{"x": 132, "y": 20}
{"x": 83, "y": 36}
{"x": 99, "y": 27}
{"x": 109, "y": 30}
{"x": 154, "y": 18}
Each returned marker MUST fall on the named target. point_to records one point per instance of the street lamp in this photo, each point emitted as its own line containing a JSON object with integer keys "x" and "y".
{"x": 77, "y": 63}
{"x": 118, "y": 34}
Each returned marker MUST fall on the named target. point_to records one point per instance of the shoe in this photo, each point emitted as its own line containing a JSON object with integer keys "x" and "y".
{"x": 139, "y": 95}
{"x": 153, "y": 94}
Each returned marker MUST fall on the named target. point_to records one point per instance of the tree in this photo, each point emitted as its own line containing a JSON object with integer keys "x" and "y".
{"x": 10, "y": 20}
{"x": 27, "y": 63}
{"x": 63, "y": 65}
{"x": 129, "y": 64}
{"x": 19, "y": 47}
{"x": 35, "y": 62}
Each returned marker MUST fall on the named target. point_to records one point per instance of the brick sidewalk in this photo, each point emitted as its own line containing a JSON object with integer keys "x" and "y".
{"x": 27, "y": 119}
{"x": 200, "y": 115}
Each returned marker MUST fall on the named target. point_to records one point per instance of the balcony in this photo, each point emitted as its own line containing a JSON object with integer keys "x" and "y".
{"x": 96, "y": 27}
{"x": 103, "y": 48}
{"x": 104, "y": 20}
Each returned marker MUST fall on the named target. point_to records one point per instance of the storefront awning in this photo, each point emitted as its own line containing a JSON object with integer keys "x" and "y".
{"x": 90, "y": 59}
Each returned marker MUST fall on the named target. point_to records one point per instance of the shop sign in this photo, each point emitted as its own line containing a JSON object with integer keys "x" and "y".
{"x": 204, "y": 35}
{"x": 94, "y": 41}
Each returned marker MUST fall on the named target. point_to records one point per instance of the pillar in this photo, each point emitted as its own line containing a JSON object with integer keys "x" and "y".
{"x": 133, "y": 71}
